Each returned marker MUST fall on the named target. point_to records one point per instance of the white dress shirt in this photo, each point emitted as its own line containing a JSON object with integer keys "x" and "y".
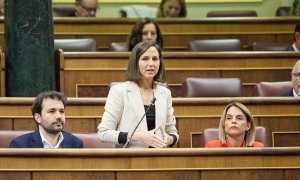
{"x": 48, "y": 145}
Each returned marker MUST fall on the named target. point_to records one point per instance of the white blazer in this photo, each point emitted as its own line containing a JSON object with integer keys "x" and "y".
{"x": 124, "y": 108}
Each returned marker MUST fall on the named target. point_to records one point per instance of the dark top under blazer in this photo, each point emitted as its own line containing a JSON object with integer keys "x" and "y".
{"x": 290, "y": 48}
{"x": 34, "y": 140}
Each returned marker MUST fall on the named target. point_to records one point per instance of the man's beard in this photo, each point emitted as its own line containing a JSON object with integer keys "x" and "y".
{"x": 53, "y": 130}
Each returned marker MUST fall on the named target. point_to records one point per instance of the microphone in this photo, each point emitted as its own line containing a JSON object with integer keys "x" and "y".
{"x": 152, "y": 103}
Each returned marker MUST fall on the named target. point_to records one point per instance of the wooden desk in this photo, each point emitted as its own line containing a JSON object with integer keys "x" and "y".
{"x": 177, "y": 32}
{"x": 169, "y": 164}
{"x": 281, "y": 115}
{"x": 89, "y": 74}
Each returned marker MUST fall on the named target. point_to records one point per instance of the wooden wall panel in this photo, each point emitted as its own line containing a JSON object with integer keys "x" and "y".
{"x": 291, "y": 174}
{"x": 78, "y": 124}
{"x": 73, "y": 175}
{"x": 76, "y": 78}
{"x": 195, "y": 138}
{"x": 243, "y": 174}
{"x": 15, "y": 175}
{"x": 286, "y": 139}
{"x": 6, "y": 123}
{"x": 92, "y": 90}
{"x": 187, "y": 125}
{"x": 21, "y": 124}
{"x": 254, "y": 76}
{"x": 177, "y": 32}
{"x": 287, "y": 123}
{"x": 165, "y": 175}
{"x": 180, "y": 163}
{"x": 193, "y": 115}
{"x": 100, "y": 69}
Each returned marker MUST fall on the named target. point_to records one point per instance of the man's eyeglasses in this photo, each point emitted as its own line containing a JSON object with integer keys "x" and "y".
{"x": 296, "y": 75}
{"x": 87, "y": 8}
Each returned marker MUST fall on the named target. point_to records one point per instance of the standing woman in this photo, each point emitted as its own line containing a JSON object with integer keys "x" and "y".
{"x": 236, "y": 128}
{"x": 171, "y": 9}
{"x": 146, "y": 29}
{"x": 127, "y": 103}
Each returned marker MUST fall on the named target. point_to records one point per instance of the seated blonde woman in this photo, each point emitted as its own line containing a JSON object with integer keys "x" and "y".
{"x": 236, "y": 128}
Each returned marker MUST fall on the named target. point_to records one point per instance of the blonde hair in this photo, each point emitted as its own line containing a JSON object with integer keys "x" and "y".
{"x": 295, "y": 66}
{"x": 249, "y": 135}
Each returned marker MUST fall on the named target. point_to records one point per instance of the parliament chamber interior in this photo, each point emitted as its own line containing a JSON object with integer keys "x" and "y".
{"x": 230, "y": 51}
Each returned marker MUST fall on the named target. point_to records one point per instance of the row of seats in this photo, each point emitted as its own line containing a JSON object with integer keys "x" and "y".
{"x": 280, "y": 11}
{"x": 90, "y": 45}
{"x": 146, "y": 11}
{"x": 76, "y": 45}
{"x": 217, "y": 45}
{"x": 233, "y": 45}
{"x": 91, "y": 140}
{"x": 226, "y": 87}
{"x": 229, "y": 87}
{"x": 211, "y": 87}
{"x": 141, "y": 11}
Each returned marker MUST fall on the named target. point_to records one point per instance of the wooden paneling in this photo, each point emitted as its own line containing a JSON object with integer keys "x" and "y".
{"x": 86, "y": 175}
{"x": 193, "y": 115}
{"x": 243, "y": 174}
{"x": 177, "y": 32}
{"x": 89, "y": 74}
{"x": 15, "y": 175}
{"x": 291, "y": 174}
{"x": 284, "y": 139}
{"x": 166, "y": 175}
{"x": 6, "y": 123}
{"x": 119, "y": 164}
{"x": 195, "y": 139}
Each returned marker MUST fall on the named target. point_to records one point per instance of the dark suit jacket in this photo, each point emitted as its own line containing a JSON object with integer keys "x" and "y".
{"x": 290, "y": 48}
{"x": 34, "y": 140}
{"x": 288, "y": 93}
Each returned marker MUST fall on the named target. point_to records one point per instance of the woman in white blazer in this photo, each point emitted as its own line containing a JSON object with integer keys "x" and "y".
{"x": 127, "y": 103}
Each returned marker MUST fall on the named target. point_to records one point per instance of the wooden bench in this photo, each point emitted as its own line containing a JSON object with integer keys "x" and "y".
{"x": 177, "y": 32}
{"x": 89, "y": 74}
{"x": 281, "y": 115}
{"x": 118, "y": 164}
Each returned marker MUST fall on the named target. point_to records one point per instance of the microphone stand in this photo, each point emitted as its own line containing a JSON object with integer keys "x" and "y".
{"x": 128, "y": 140}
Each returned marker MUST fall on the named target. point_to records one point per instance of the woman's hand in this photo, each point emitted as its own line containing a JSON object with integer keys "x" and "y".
{"x": 166, "y": 137}
{"x": 150, "y": 138}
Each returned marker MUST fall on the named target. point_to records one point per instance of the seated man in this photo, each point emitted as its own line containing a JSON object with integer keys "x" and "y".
{"x": 296, "y": 45}
{"x": 85, "y": 8}
{"x": 295, "y": 81}
{"x": 48, "y": 110}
